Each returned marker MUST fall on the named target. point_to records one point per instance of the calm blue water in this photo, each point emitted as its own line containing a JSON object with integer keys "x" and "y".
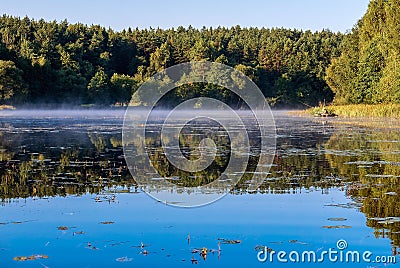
{"x": 272, "y": 220}
{"x": 108, "y": 228}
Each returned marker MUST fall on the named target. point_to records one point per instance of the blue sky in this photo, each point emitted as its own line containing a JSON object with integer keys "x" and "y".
{"x": 336, "y": 15}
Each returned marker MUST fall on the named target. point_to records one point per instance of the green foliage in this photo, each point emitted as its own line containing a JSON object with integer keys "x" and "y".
{"x": 365, "y": 110}
{"x": 123, "y": 86}
{"x": 98, "y": 87}
{"x": 11, "y": 85}
{"x": 368, "y": 69}
{"x": 73, "y": 63}
{"x": 322, "y": 111}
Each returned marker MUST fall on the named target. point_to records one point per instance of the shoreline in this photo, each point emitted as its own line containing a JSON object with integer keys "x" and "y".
{"x": 371, "y": 111}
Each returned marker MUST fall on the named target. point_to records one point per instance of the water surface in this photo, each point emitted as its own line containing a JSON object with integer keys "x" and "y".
{"x": 67, "y": 194}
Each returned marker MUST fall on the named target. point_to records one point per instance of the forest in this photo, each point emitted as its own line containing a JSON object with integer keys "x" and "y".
{"x": 59, "y": 63}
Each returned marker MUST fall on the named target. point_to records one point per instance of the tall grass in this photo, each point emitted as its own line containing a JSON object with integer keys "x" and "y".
{"x": 363, "y": 110}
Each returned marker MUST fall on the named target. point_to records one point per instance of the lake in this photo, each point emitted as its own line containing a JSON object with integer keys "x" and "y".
{"x": 68, "y": 199}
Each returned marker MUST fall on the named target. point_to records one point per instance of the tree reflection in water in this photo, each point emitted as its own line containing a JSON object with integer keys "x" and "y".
{"x": 40, "y": 161}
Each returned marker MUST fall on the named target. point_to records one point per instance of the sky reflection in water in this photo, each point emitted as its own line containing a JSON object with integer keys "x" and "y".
{"x": 311, "y": 154}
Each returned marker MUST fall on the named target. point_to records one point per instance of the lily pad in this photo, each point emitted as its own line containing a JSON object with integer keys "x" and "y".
{"x": 259, "y": 248}
{"x": 144, "y": 252}
{"x": 298, "y": 242}
{"x": 107, "y": 222}
{"x": 229, "y": 241}
{"x": 194, "y": 261}
{"x": 124, "y": 259}
{"x": 337, "y": 219}
{"x": 30, "y": 258}
{"x": 20, "y": 258}
{"x": 336, "y": 227}
{"x": 350, "y": 205}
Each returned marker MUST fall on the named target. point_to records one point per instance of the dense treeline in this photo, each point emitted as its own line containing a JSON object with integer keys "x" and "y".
{"x": 58, "y": 62}
{"x": 368, "y": 70}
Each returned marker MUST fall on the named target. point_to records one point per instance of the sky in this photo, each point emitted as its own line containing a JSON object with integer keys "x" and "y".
{"x": 336, "y": 15}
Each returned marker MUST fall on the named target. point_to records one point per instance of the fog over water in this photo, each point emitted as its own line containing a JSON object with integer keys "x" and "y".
{"x": 65, "y": 187}
{"x": 63, "y": 113}
{"x": 120, "y": 113}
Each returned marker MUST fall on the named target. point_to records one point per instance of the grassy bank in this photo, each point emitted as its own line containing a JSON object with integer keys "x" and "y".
{"x": 359, "y": 110}
{"x": 6, "y": 107}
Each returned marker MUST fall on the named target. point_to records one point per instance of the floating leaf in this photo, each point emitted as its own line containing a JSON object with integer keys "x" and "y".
{"x": 92, "y": 247}
{"x": 142, "y": 245}
{"x": 229, "y": 241}
{"x": 37, "y": 256}
{"x": 68, "y": 213}
{"x": 337, "y": 219}
{"x": 118, "y": 243}
{"x": 194, "y": 261}
{"x": 203, "y": 253}
{"x": 144, "y": 252}
{"x": 123, "y": 259}
{"x": 20, "y": 258}
{"x": 107, "y": 222}
{"x": 347, "y": 205}
{"x": 30, "y": 258}
{"x": 295, "y": 241}
{"x": 259, "y": 248}
{"x": 336, "y": 227}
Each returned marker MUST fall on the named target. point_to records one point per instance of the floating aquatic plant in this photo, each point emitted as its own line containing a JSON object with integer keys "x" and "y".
{"x": 336, "y": 226}
{"x": 229, "y": 241}
{"x": 30, "y": 258}
{"x": 124, "y": 259}
{"x": 337, "y": 219}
